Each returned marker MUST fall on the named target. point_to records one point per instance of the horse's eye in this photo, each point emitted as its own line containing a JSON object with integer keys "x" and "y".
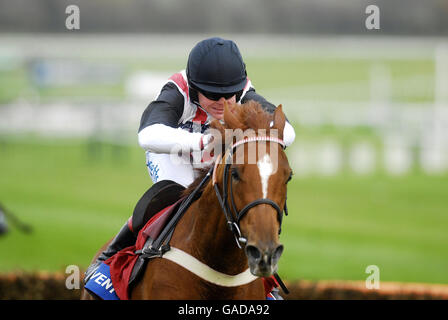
{"x": 290, "y": 177}
{"x": 235, "y": 174}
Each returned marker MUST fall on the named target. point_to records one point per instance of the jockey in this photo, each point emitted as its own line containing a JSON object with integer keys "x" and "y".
{"x": 180, "y": 116}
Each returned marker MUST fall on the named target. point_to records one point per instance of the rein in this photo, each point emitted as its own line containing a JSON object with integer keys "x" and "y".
{"x": 158, "y": 248}
{"x": 161, "y": 247}
{"x": 233, "y": 216}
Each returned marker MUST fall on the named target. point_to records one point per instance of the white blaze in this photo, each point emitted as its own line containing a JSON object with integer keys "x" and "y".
{"x": 266, "y": 169}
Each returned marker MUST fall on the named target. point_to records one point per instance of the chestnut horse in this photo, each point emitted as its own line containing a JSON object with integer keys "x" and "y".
{"x": 212, "y": 264}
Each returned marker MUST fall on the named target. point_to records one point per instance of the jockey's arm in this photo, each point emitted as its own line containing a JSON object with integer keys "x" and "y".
{"x": 159, "y": 132}
{"x": 160, "y": 138}
{"x": 288, "y": 133}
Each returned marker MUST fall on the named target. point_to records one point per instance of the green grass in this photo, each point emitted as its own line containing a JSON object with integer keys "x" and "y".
{"x": 13, "y": 84}
{"x": 76, "y": 196}
{"x": 74, "y": 200}
{"x": 342, "y": 79}
{"x": 77, "y": 199}
{"x": 339, "y": 226}
{"x": 288, "y": 77}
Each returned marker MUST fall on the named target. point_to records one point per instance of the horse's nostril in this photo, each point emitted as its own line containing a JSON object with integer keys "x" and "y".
{"x": 253, "y": 252}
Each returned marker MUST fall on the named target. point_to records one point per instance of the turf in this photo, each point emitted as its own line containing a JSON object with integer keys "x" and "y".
{"x": 77, "y": 195}
{"x": 308, "y": 78}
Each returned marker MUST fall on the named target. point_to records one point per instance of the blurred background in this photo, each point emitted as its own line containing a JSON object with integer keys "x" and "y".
{"x": 370, "y": 109}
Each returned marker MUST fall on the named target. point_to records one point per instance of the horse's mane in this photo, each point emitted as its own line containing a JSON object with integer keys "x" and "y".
{"x": 249, "y": 115}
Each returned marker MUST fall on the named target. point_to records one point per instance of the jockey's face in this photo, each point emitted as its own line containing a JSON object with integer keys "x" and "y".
{"x": 215, "y": 108}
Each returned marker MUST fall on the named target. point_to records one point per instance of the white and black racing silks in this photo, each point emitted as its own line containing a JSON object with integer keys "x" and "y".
{"x": 174, "y": 108}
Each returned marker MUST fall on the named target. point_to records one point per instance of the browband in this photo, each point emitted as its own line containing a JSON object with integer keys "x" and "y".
{"x": 258, "y": 138}
{"x": 243, "y": 141}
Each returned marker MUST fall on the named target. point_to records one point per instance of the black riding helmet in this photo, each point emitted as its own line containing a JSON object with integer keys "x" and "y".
{"x": 215, "y": 67}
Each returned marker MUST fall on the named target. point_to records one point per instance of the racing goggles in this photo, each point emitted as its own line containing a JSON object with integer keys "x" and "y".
{"x": 216, "y": 96}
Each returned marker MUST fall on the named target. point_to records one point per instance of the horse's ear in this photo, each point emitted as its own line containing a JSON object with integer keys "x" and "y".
{"x": 229, "y": 117}
{"x": 216, "y": 124}
{"x": 279, "y": 121}
{"x": 219, "y": 137}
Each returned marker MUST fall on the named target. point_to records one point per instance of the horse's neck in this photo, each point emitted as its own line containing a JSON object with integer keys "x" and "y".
{"x": 205, "y": 235}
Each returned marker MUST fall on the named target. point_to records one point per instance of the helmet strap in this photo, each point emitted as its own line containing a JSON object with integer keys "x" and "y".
{"x": 238, "y": 95}
{"x": 193, "y": 95}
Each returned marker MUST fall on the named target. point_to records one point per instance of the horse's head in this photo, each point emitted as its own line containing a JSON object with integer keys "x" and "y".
{"x": 251, "y": 181}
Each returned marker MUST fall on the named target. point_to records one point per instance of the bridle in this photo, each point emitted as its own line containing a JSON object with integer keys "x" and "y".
{"x": 233, "y": 216}
{"x": 157, "y": 248}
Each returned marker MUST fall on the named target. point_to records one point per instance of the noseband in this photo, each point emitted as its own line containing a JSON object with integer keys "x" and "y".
{"x": 233, "y": 216}
{"x": 157, "y": 248}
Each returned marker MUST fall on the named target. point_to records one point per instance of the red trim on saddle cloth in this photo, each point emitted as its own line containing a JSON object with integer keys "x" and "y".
{"x": 180, "y": 81}
{"x": 122, "y": 263}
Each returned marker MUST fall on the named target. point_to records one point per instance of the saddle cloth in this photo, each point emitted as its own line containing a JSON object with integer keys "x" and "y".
{"x": 124, "y": 268}
{"x": 122, "y": 264}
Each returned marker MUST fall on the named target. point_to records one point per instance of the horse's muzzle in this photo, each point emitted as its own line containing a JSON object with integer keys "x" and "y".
{"x": 263, "y": 262}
